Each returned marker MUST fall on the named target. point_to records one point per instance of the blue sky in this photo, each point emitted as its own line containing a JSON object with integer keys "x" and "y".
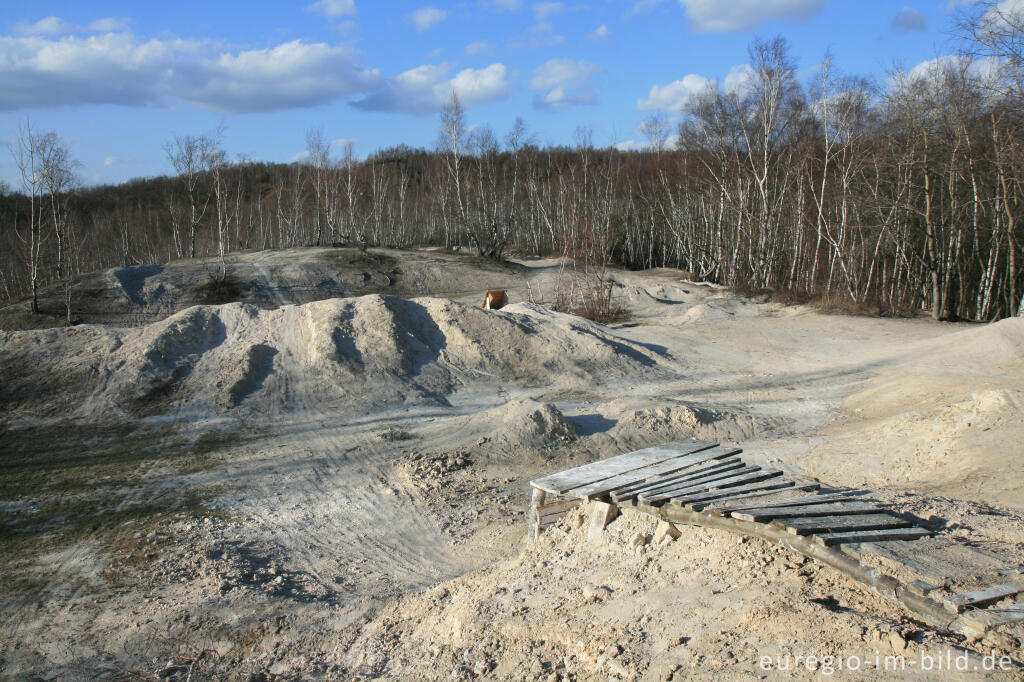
{"x": 117, "y": 79}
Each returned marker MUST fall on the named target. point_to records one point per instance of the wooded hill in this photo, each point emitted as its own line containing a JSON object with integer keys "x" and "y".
{"x": 903, "y": 197}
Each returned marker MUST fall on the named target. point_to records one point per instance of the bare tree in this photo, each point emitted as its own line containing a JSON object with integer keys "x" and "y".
{"x": 451, "y": 143}
{"x": 27, "y": 153}
{"x": 57, "y": 178}
{"x": 320, "y": 158}
{"x": 656, "y": 129}
{"x": 188, "y": 155}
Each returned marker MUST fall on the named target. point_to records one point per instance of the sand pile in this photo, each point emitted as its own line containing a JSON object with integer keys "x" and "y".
{"x": 940, "y": 419}
{"x": 626, "y": 607}
{"x": 527, "y": 424}
{"x": 356, "y": 354}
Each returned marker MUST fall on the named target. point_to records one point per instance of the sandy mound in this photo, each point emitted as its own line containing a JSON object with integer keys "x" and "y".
{"x": 527, "y": 424}
{"x": 707, "y": 606}
{"x": 358, "y": 353}
{"x": 940, "y": 419}
{"x": 634, "y": 425}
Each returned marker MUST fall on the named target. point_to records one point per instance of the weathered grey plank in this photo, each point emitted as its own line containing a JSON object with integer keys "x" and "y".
{"x": 732, "y": 468}
{"x": 711, "y": 500}
{"x": 866, "y": 536}
{"x": 727, "y": 482}
{"x": 840, "y": 524}
{"x": 696, "y": 469}
{"x": 786, "y": 502}
{"x": 828, "y": 509}
{"x": 638, "y": 476}
{"x": 985, "y": 619}
{"x": 939, "y": 559}
{"x": 606, "y": 468}
{"x": 961, "y": 602}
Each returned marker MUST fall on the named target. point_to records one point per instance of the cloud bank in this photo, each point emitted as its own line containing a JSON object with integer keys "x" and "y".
{"x": 117, "y": 68}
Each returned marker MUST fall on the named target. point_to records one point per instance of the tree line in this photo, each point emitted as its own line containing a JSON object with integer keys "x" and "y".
{"x": 902, "y": 195}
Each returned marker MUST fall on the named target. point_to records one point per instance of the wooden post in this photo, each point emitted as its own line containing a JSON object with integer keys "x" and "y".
{"x": 536, "y": 500}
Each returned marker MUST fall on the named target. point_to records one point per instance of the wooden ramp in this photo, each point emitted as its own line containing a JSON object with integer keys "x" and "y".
{"x": 701, "y": 483}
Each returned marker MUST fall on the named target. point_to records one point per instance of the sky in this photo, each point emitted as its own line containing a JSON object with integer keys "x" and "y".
{"x": 118, "y": 79}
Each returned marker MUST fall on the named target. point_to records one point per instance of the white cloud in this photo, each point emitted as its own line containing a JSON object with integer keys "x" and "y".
{"x": 601, "y": 33}
{"x": 560, "y": 98}
{"x": 109, "y": 161}
{"x": 508, "y": 5}
{"x": 644, "y": 6}
{"x": 563, "y": 73}
{"x": 984, "y": 69}
{"x": 543, "y": 10}
{"x": 674, "y": 96}
{"x": 716, "y": 16}
{"x": 426, "y": 17}
{"x": 115, "y": 68}
{"x": 107, "y": 25}
{"x": 334, "y": 8}
{"x": 628, "y": 146}
{"x": 567, "y": 82}
{"x": 47, "y": 26}
{"x": 540, "y": 35}
{"x": 51, "y": 26}
{"x": 425, "y": 89}
{"x": 342, "y": 141}
{"x": 739, "y": 79}
{"x": 480, "y": 47}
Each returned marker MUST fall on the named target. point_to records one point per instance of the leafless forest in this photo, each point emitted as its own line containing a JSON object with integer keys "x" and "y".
{"x": 901, "y": 195}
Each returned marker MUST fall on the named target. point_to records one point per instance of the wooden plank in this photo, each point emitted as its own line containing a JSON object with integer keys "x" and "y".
{"x": 865, "y": 536}
{"x": 600, "y": 488}
{"x": 544, "y": 518}
{"x": 983, "y": 620}
{"x": 843, "y": 524}
{"x": 695, "y": 500}
{"x": 687, "y": 473}
{"x": 787, "y": 502}
{"x": 940, "y": 560}
{"x": 606, "y": 468}
{"x": 731, "y": 469}
{"x": 828, "y": 509}
{"x": 711, "y": 501}
{"x": 560, "y": 505}
{"x": 727, "y": 482}
{"x": 961, "y": 602}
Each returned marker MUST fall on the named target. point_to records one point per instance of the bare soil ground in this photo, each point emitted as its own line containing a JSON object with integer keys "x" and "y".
{"x": 321, "y": 481}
